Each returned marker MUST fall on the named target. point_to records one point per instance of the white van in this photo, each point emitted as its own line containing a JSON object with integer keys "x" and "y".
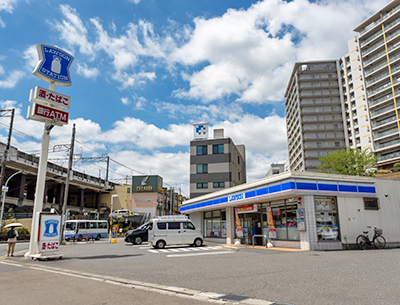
{"x": 173, "y": 230}
{"x": 122, "y": 213}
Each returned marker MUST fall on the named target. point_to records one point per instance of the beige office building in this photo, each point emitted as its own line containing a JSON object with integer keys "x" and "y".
{"x": 314, "y": 113}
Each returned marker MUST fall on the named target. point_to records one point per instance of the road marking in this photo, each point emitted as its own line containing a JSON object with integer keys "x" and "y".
{"x": 186, "y": 293}
{"x": 184, "y": 249}
{"x": 198, "y": 254}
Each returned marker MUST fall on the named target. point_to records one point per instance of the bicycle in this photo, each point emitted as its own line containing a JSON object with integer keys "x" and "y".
{"x": 378, "y": 240}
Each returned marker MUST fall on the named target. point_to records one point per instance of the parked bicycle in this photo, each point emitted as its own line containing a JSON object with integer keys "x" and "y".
{"x": 378, "y": 240}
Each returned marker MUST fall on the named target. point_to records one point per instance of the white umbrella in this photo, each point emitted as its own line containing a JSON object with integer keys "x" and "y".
{"x": 14, "y": 224}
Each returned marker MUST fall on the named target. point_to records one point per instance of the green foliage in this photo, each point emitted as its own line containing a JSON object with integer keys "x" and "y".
{"x": 396, "y": 164}
{"x": 349, "y": 161}
{"x": 11, "y": 213}
{"x": 23, "y": 231}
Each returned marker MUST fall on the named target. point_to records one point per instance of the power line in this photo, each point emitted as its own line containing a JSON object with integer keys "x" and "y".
{"x": 23, "y": 134}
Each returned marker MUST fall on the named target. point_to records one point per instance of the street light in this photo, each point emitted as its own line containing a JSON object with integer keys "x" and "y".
{"x": 5, "y": 189}
{"x": 112, "y": 201}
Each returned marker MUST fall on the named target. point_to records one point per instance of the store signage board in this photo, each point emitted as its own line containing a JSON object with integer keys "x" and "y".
{"x": 49, "y": 98}
{"x": 54, "y": 64}
{"x": 49, "y": 238}
{"x": 43, "y": 113}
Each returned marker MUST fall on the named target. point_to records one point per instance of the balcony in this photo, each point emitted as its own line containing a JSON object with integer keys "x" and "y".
{"x": 389, "y": 156}
{"x": 383, "y": 110}
{"x": 387, "y": 144}
{"x": 378, "y": 135}
{"x": 384, "y": 98}
{"x": 384, "y": 122}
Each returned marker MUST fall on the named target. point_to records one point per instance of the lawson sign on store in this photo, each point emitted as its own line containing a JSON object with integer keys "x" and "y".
{"x": 288, "y": 187}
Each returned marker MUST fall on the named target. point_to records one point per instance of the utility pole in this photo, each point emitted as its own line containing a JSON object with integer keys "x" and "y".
{"x": 3, "y": 163}
{"x": 65, "y": 201}
{"x": 108, "y": 164}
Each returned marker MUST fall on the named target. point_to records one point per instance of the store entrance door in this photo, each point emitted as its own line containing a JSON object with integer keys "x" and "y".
{"x": 252, "y": 225}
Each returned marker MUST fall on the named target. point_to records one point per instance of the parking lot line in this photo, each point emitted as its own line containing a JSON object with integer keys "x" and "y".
{"x": 198, "y": 254}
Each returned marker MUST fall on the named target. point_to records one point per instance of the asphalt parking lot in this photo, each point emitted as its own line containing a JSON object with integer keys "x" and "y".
{"x": 237, "y": 273}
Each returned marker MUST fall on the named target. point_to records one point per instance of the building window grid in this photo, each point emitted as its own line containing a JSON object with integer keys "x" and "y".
{"x": 201, "y": 150}
{"x": 202, "y": 168}
{"x": 218, "y": 149}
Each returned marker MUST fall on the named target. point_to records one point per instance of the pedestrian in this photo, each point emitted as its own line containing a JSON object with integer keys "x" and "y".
{"x": 11, "y": 241}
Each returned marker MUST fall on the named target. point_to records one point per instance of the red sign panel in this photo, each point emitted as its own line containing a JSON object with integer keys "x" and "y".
{"x": 50, "y": 113}
{"x": 49, "y": 97}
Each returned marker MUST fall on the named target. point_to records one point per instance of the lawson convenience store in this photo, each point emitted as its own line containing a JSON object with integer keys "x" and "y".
{"x": 310, "y": 211}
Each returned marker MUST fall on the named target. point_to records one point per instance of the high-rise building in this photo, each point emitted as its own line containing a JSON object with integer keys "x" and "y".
{"x": 314, "y": 116}
{"x": 371, "y": 85}
{"x": 214, "y": 163}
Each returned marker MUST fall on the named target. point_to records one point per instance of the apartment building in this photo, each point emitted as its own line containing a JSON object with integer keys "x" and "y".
{"x": 371, "y": 77}
{"x": 314, "y": 113}
{"x": 215, "y": 163}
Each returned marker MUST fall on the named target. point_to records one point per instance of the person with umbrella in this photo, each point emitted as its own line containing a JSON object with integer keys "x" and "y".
{"x": 12, "y": 235}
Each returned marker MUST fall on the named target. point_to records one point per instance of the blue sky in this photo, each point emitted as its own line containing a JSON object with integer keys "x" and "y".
{"x": 146, "y": 70}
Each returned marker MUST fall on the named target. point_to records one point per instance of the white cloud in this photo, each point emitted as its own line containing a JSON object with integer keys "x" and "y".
{"x": 87, "y": 72}
{"x": 73, "y": 31}
{"x": 7, "y": 6}
{"x": 147, "y": 136}
{"x": 250, "y": 53}
{"x": 31, "y": 57}
{"x": 211, "y": 113}
{"x": 125, "y": 101}
{"x": 11, "y": 80}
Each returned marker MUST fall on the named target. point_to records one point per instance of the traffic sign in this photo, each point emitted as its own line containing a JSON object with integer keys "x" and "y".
{"x": 43, "y": 113}
{"x": 49, "y": 98}
{"x": 54, "y": 64}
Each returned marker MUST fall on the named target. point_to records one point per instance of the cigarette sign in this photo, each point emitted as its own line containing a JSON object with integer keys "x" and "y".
{"x": 49, "y": 98}
{"x": 43, "y": 113}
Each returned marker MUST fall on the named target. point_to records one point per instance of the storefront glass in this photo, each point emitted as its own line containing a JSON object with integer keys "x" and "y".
{"x": 285, "y": 221}
{"x": 279, "y": 215}
{"x": 326, "y": 218}
{"x": 215, "y": 223}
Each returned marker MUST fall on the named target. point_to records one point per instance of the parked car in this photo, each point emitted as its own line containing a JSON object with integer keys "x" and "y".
{"x": 122, "y": 213}
{"x": 173, "y": 230}
{"x": 139, "y": 235}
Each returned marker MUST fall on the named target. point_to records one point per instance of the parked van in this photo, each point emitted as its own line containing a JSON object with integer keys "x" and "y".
{"x": 122, "y": 213}
{"x": 173, "y": 230}
{"x": 79, "y": 229}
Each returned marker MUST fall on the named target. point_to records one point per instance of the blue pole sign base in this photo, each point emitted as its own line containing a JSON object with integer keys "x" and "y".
{"x": 54, "y": 64}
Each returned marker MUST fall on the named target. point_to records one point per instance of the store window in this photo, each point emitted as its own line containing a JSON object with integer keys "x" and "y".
{"x": 285, "y": 220}
{"x": 326, "y": 218}
{"x": 215, "y": 223}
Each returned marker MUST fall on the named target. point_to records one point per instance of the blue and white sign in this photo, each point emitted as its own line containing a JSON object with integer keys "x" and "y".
{"x": 54, "y": 64}
{"x": 49, "y": 237}
{"x": 200, "y": 131}
{"x": 51, "y": 228}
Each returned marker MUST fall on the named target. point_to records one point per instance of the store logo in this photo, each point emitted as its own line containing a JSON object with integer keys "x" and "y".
{"x": 235, "y": 197}
{"x": 51, "y": 228}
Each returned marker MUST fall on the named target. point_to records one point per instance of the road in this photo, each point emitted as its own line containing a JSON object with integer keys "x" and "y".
{"x": 237, "y": 275}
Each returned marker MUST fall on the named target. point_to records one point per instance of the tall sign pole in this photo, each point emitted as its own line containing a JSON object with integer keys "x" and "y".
{"x": 48, "y": 107}
{"x": 65, "y": 201}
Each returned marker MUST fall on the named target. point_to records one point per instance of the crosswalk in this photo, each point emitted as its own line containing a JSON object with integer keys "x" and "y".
{"x": 191, "y": 249}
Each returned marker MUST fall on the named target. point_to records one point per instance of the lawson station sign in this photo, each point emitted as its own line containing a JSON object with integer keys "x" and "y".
{"x": 54, "y": 64}
{"x": 53, "y": 67}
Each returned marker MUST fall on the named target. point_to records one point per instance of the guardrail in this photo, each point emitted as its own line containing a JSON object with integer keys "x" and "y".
{"x": 265, "y": 236}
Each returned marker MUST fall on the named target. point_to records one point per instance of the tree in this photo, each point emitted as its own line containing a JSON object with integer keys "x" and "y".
{"x": 349, "y": 161}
